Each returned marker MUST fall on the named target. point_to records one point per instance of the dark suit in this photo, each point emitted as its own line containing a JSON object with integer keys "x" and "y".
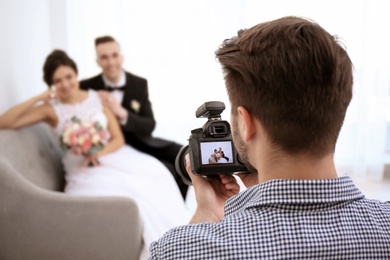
{"x": 140, "y": 124}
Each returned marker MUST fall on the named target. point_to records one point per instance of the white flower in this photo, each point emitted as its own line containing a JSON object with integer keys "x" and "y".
{"x": 95, "y": 139}
{"x": 135, "y": 105}
{"x": 81, "y": 140}
{"x": 86, "y": 124}
{"x": 76, "y": 126}
{"x": 65, "y": 139}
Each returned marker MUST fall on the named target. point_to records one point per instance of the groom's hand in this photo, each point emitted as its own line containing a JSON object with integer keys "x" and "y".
{"x": 113, "y": 104}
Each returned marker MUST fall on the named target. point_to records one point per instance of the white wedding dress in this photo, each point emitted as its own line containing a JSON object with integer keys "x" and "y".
{"x": 125, "y": 172}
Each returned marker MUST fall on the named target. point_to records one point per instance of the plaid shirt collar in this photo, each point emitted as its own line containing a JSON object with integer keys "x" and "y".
{"x": 295, "y": 192}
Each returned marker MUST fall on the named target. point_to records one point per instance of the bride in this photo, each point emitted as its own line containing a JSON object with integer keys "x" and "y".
{"x": 121, "y": 169}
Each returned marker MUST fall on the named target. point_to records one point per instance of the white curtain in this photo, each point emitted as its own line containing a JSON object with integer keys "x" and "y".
{"x": 361, "y": 150}
{"x": 172, "y": 44}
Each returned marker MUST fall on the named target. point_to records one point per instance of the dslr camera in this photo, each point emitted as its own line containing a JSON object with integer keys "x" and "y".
{"x": 210, "y": 148}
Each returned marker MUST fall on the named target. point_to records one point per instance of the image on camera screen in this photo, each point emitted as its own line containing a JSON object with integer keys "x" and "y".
{"x": 216, "y": 152}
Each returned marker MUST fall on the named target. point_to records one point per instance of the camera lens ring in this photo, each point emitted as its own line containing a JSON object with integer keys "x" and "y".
{"x": 181, "y": 167}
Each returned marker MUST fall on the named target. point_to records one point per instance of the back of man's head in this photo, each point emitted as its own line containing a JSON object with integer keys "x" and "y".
{"x": 294, "y": 77}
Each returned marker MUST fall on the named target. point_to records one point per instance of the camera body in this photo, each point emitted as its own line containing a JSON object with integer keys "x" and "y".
{"x": 211, "y": 147}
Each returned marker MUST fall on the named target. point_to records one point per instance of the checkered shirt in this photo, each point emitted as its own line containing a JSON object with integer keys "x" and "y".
{"x": 287, "y": 219}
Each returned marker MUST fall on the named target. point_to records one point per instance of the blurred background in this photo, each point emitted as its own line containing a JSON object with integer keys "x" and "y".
{"x": 172, "y": 44}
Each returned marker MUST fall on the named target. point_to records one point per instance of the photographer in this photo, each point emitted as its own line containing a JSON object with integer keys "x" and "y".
{"x": 289, "y": 84}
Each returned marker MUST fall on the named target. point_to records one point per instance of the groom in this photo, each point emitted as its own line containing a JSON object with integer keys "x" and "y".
{"x": 127, "y": 96}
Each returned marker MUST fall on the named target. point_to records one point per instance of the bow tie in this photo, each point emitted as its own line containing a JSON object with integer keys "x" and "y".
{"x": 109, "y": 88}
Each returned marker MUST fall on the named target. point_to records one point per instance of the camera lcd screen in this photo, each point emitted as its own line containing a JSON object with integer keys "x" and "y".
{"x": 216, "y": 152}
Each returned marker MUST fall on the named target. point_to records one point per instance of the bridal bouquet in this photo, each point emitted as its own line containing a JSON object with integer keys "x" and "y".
{"x": 84, "y": 137}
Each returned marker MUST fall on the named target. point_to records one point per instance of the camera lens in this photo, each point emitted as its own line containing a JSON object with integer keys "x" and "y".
{"x": 180, "y": 165}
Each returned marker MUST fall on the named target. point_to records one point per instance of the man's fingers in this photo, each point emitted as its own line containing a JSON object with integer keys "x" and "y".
{"x": 230, "y": 183}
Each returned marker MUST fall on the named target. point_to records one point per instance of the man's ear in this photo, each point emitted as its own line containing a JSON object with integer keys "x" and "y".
{"x": 246, "y": 123}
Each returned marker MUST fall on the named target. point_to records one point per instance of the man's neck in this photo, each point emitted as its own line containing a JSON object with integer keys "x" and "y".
{"x": 118, "y": 81}
{"x": 297, "y": 167}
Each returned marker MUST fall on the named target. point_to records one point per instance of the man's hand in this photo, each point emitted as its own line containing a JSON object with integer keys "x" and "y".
{"x": 211, "y": 194}
{"x": 110, "y": 101}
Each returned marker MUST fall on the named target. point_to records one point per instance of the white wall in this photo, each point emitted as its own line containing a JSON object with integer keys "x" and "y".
{"x": 29, "y": 30}
{"x": 172, "y": 44}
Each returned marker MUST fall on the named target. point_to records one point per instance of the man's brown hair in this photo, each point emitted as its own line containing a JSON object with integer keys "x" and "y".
{"x": 104, "y": 39}
{"x": 294, "y": 77}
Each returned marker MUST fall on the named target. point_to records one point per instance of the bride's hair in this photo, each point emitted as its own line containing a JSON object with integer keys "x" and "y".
{"x": 54, "y": 60}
